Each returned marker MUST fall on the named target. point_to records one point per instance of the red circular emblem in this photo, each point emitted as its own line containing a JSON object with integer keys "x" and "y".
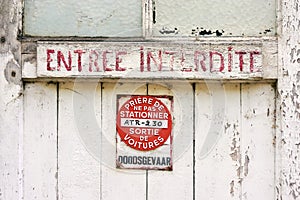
{"x": 144, "y": 123}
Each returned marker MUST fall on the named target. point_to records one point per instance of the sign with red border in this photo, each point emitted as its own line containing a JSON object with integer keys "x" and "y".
{"x": 144, "y": 132}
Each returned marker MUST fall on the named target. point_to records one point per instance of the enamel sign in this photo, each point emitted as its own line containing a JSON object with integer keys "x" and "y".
{"x": 144, "y": 132}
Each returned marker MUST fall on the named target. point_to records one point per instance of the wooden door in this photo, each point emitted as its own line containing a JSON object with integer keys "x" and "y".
{"x": 223, "y": 144}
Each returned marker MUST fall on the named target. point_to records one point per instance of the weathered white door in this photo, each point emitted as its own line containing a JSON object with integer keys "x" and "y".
{"x": 234, "y": 141}
{"x": 223, "y": 144}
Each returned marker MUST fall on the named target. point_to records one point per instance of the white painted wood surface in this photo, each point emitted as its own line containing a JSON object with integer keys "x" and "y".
{"x": 40, "y": 141}
{"x": 11, "y": 111}
{"x": 230, "y": 162}
{"x": 217, "y": 141}
{"x": 11, "y": 102}
{"x": 177, "y": 184}
{"x": 257, "y": 141}
{"x": 234, "y": 138}
{"x": 78, "y": 169}
{"x": 288, "y": 90}
{"x": 118, "y": 183}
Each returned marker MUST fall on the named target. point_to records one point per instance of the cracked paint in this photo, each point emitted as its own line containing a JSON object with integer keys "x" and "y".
{"x": 289, "y": 100}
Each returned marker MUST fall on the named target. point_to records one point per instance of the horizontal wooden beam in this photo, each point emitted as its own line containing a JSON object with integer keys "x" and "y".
{"x": 154, "y": 60}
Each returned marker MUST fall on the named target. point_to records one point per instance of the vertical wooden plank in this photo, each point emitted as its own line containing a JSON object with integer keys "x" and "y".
{"x": 117, "y": 183}
{"x": 79, "y": 130}
{"x": 176, "y": 184}
{"x": 217, "y": 141}
{"x": 11, "y": 121}
{"x": 10, "y": 136}
{"x": 289, "y": 99}
{"x": 258, "y": 135}
{"x": 40, "y": 141}
{"x": 11, "y": 110}
{"x": 10, "y": 139}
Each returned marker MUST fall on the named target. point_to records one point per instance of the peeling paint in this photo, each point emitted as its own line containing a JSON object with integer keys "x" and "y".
{"x": 267, "y": 31}
{"x": 30, "y": 59}
{"x": 246, "y": 165}
{"x": 167, "y": 30}
{"x": 153, "y": 12}
{"x": 227, "y": 126}
{"x": 232, "y": 188}
{"x": 205, "y": 32}
{"x": 235, "y": 150}
{"x": 295, "y": 100}
{"x": 289, "y": 100}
